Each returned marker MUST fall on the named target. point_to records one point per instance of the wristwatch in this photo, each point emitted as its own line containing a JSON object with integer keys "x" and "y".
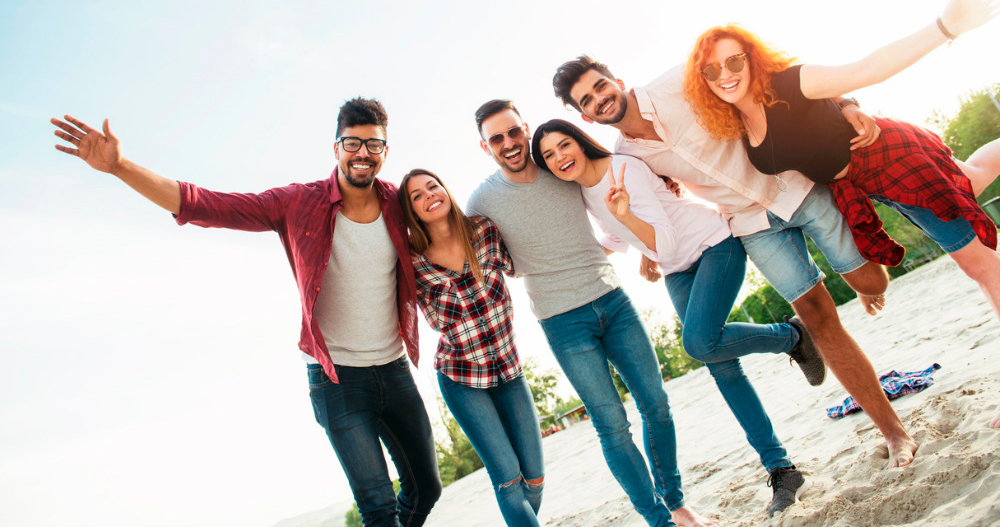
{"x": 848, "y": 100}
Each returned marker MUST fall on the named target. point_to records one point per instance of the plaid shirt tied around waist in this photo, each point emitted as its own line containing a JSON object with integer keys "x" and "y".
{"x": 912, "y": 166}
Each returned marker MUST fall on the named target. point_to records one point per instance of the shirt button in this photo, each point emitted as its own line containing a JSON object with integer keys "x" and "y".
{"x": 326, "y": 263}
{"x": 317, "y": 289}
{"x": 307, "y": 233}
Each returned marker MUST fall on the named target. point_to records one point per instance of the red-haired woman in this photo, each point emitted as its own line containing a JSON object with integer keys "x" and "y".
{"x": 459, "y": 264}
{"x": 741, "y": 88}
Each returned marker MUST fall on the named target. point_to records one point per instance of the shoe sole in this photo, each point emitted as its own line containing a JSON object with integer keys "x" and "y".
{"x": 806, "y": 484}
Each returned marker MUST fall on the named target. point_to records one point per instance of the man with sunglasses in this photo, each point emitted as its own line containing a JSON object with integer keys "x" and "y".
{"x": 348, "y": 248}
{"x": 769, "y": 214}
{"x": 587, "y": 319}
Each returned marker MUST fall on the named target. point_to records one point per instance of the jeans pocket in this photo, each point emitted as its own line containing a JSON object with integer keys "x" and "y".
{"x": 317, "y": 377}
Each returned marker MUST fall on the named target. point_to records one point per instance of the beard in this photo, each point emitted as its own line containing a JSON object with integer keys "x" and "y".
{"x": 619, "y": 114}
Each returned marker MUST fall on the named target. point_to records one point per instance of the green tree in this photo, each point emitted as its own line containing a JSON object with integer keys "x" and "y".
{"x": 976, "y": 123}
{"x": 543, "y": 390}
{"x": 456, "y": 456}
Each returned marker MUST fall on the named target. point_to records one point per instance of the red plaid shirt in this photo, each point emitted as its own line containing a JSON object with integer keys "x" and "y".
{"x": 303, "y": 215}
{"x": 477, "y": 335}
{"x": 908, "y": 165}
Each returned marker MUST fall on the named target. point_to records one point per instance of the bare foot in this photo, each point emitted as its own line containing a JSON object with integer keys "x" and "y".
{"x": 900, "y": 452}
{"x": 686, "y": 517}
{"x": 872, "y": 303}
{"x": 995, "y": 423}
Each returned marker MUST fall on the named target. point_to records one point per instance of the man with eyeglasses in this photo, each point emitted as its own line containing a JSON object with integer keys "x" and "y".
{"x": 348, "y": 248}
{"x": 769, "y": 214}
{"x": 587, "y": 319}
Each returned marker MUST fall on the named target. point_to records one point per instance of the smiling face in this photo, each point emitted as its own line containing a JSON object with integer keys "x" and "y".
{"x": 359, "y": 168}
{"x": 563, "y": 156}
{"x": 511, "y": 153}
{"x": 428, "y": 199}
{"x": 730, "y": 87}
{"x": 602, "y": 99}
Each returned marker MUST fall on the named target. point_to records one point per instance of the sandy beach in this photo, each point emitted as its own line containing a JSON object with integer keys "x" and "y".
{"x": 934, "y": 315}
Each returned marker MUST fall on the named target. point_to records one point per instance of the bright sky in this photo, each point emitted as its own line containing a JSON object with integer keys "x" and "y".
{"x": 150, "y": 373}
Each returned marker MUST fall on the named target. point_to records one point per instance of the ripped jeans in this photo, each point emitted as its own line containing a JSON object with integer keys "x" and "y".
{"x": 502, "y": 425}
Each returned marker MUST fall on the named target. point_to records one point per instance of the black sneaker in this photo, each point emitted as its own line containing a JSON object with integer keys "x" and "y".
{"x": 806, "y": 355}
{"x": 788, "y": 484}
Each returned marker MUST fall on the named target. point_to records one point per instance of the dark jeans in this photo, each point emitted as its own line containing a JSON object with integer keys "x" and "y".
{"x": 369, "y": 405}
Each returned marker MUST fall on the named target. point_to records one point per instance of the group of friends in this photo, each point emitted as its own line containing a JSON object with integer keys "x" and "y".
{"x": 770, "y": 144}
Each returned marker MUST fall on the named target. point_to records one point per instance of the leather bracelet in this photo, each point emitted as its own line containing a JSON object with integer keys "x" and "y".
{"x": 846, "y": 101}
{"x": 944, "y": 30}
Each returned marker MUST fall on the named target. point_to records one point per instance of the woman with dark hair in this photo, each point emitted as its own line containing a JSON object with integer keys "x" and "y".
{"x": 704, "y": 268}
{"x": 458, "y": 262}
{"x": 742, "y": 89}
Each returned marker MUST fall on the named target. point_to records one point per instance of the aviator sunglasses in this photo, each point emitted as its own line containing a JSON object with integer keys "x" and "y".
{"x": 735, "y": 64}
{"x": 515, "y": 133}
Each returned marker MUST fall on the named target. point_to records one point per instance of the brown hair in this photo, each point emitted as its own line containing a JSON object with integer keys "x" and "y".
{"x": 462, "y": 225}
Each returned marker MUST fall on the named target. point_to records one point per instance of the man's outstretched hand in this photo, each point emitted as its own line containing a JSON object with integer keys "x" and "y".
{"x": 101, "y": 151}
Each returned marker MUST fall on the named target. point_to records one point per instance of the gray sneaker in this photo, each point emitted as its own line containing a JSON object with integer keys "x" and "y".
{"x": 806, "y": 355}
{"x": 788, "y": 485}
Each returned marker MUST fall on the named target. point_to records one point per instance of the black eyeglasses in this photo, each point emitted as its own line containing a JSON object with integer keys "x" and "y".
{"x": 515, "y": 133}
{"x": 353, "y": 144}
{"x": 735, "y": 64}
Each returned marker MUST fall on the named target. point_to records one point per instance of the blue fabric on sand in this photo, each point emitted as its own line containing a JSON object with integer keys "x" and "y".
{"x": 895, "y": 385}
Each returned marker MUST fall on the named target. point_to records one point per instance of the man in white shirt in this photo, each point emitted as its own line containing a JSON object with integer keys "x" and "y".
{"x": 768, "y": 213}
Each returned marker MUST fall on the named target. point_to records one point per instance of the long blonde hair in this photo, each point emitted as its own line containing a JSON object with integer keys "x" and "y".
{"x": 463, "y": 226}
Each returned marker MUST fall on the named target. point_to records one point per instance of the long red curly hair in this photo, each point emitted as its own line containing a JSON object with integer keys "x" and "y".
{"x": 719, "y": 118}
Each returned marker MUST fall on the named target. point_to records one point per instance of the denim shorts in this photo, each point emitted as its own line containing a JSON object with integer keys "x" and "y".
{"x": 780, "y": 251}
{"x": 950, "y": 235}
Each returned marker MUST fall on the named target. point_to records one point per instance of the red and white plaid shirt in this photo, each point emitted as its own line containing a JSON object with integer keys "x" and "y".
{"x": 475, "y": 320}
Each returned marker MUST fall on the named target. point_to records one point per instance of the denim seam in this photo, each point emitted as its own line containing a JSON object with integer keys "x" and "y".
{"x": 409, "y": 470}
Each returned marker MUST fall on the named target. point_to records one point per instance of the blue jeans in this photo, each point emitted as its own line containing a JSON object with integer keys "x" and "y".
{"x": 780, "y": 252}
{"x": 949, "y": 235}
{"x": 502, "y": 425}
{"x": 369, "y": 405}
{"x": 703, "y": 297}
{"x": 583, "y": 340}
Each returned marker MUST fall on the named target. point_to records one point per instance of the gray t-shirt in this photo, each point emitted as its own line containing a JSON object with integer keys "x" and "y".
{"x": 545, "y": 227}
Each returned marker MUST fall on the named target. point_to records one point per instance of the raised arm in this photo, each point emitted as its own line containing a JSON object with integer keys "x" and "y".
{"x": 103, "y": 152}
{"x": 959, "y": 16}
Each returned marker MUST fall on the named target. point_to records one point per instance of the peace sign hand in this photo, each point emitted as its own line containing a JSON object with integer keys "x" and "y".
{"x": 617, "y": 199}
{"x": 101, "y": 151}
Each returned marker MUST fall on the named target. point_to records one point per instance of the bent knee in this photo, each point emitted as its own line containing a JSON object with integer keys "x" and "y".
{"x": 509, "y": 483}
{"x": 977, "y": 261}
{"x": 700, "y": 347}
{"x": 869, "y": 279}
